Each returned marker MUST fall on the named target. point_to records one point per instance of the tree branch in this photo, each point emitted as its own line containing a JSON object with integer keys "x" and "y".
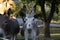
{"x": 43, "y": 9}
{"x": 52, "y": 11}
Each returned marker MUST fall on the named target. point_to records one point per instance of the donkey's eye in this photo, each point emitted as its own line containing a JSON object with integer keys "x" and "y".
{"x": 26, "y": 19}
{"x": 33, "y": 19}
{"x": 5, "y": 21}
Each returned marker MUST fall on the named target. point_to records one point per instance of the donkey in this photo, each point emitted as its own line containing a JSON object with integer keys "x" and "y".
{"x": 3, "y": 20}
{"x": 12, "y": 28}
{"x": 30, "y": 28}
{"x": 8, "y": 27}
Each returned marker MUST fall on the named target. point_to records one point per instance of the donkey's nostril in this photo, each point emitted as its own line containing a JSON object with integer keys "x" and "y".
{"x": 29, "y": 24}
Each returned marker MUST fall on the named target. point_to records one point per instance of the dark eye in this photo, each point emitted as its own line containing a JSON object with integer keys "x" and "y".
{"x": 33, "y": 19}
{"x": 5, "y": 21}
{"x": 25, "y": 19}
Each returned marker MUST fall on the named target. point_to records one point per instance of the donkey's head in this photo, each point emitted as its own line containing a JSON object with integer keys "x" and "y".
{"x": 3, "y": 20}
{"x": 29, "y": 22}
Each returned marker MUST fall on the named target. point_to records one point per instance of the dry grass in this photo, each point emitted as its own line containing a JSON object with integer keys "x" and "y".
{"x": 55, "y": 34}
{"x": 55, "y": 21}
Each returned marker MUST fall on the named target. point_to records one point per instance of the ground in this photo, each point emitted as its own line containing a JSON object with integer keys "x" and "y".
{"x": 55, "y": 34}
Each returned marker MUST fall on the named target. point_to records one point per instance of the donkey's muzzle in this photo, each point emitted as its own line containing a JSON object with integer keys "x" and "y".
{"x": 29, "y": 30}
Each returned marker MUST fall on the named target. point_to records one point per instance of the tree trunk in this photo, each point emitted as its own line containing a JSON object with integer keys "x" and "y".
{"x": 48, "y": 20}
{"x": 47, "y": 29}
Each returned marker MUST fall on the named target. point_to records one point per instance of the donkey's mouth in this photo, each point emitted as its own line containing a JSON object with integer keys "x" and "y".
{"x": 29, "y": 30}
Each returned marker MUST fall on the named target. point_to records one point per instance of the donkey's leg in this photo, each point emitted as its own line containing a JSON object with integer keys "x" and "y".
{"x": 3, "y": 32}
{"x": 4, "y": 36}
{"x": 12, "y": 37}
{"x": 33, "y": 35}
{"x": 26, "y": 35}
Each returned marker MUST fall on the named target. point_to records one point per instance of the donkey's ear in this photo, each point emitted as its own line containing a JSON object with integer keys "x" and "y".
{"x": 24, "y": 7}
{"x": 9, "y": 12}
{"x": 34, "y": 8}
{"x": 4, "y": 12}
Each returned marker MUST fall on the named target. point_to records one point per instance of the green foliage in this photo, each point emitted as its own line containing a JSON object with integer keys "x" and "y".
{"x": 19, "y": 11}
{"x": 56, "y": 17}
{"x": 19, "y": 6}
